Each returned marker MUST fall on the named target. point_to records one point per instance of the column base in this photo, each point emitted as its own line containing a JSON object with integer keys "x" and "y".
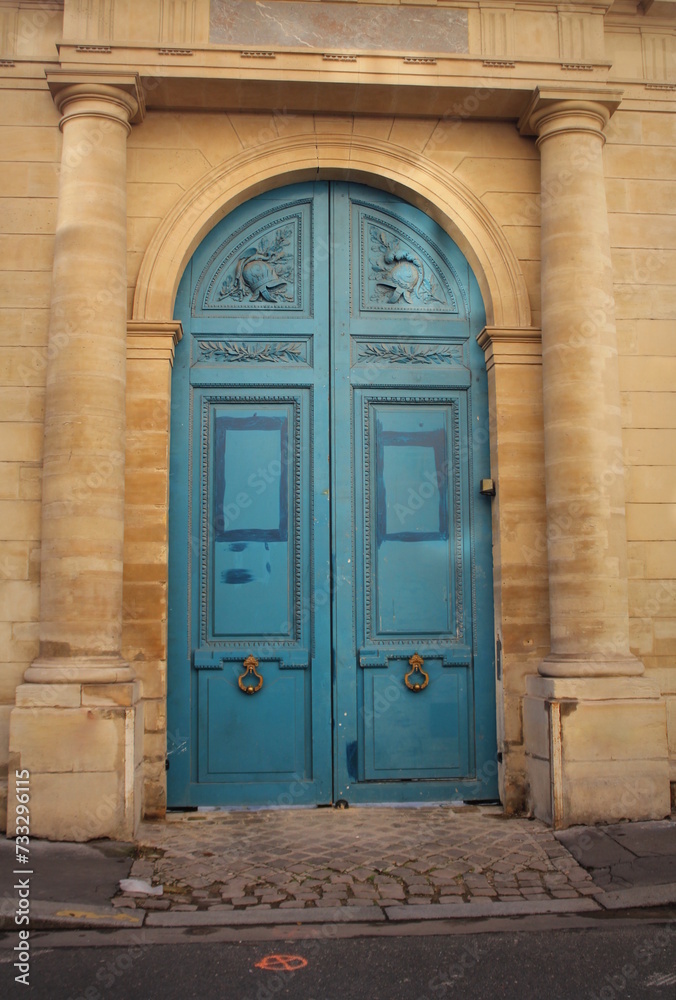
{"x": 561, "y": 665}
{"x": 79, "y": 746}
{"x": 78, "y": 670}
{"x": 596, "y": 750}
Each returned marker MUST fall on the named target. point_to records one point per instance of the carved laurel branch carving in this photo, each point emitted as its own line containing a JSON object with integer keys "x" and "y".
{"x": 232, "y": 352}
{"x": 402, "y": 354}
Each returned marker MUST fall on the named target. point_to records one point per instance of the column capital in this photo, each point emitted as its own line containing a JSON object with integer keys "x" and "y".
{"x": 553, "y": 110}
{"x": 117, "y": 96}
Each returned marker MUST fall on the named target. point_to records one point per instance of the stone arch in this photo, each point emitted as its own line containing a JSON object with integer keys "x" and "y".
{"x": 326, "y": 155}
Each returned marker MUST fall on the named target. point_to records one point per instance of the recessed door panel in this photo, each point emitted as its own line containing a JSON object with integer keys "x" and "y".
{"x": 406, "y": 736}
{"x": 229, "y": 752}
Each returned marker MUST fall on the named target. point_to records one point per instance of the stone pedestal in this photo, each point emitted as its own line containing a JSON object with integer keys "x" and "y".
{"x": 588, "y": 736}
{"x": 596, "y": 750}
{"x": 82, "y": 746}
{"x": 76, "y": 727}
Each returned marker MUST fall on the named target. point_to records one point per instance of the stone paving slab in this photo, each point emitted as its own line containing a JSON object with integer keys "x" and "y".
{"x": 624, "y": 855}
{"x": 89, "y": 873}
{"x": 368, "y": 859}
{"x": 645, "y": 839}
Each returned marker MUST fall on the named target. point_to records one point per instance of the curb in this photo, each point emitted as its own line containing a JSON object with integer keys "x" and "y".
{"x": 51, "y": 916}
{"x": 84, "y": 916}
{"x": 639, "y": 896}
{"x": 240, "y": 918}
{"x": 519, "y": 908}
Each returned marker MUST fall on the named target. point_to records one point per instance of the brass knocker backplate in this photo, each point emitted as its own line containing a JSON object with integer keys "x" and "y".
{"x": 416, "y": 662}
{"x": 250, "y": 671}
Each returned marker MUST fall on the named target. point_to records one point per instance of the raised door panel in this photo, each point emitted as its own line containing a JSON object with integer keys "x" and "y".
{"x": 256, "y": 541}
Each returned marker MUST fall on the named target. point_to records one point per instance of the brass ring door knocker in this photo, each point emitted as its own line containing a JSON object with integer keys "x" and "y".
{"x": 416, "y": 662}
{"x": 250, "y": 663}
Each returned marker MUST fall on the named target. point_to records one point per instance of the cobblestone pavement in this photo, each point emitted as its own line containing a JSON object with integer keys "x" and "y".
{"x": 355, "y": 857}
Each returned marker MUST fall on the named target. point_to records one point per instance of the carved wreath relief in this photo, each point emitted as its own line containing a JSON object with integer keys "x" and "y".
{"x": 264, "y": 272}
{"x": 397, "y": 273}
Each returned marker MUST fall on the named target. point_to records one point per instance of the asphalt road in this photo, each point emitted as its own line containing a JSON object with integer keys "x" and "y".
{"x": 588, "y": 964}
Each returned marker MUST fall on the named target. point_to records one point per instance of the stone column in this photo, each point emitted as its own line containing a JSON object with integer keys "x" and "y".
{"x": 595, "y": 715}
{"x": 74, "y": 727}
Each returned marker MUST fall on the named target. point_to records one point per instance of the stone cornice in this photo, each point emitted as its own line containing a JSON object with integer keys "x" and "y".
{"x": 659, "y": 8}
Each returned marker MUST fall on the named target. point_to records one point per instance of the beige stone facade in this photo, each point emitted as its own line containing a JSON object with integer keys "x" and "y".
{"x": 545, "y": 145}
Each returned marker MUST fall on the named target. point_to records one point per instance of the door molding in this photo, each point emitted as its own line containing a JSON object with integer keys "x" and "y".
{"x": 326, "y": 155}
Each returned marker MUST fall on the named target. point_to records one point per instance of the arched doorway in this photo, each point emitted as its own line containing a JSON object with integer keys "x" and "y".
{"x": 330, "y": 618}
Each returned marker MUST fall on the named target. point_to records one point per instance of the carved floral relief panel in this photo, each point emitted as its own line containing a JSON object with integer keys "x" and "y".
{"x": 401, "y": 271}
{"x": 259, "y": 267}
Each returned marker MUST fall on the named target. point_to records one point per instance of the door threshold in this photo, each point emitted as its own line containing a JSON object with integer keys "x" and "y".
{"x": 441, "y": 803}
{"x": 446, "y": 803}
{"x": 265, "y": 808}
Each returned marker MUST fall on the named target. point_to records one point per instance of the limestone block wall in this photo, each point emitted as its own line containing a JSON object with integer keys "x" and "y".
{"x": 30, "y": 144}
{"x": 640, "y": 159}
{"x": 170, "y": 152}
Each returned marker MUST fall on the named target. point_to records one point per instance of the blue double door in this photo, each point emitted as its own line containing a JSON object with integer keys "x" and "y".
{"x": 330, "y": 612}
